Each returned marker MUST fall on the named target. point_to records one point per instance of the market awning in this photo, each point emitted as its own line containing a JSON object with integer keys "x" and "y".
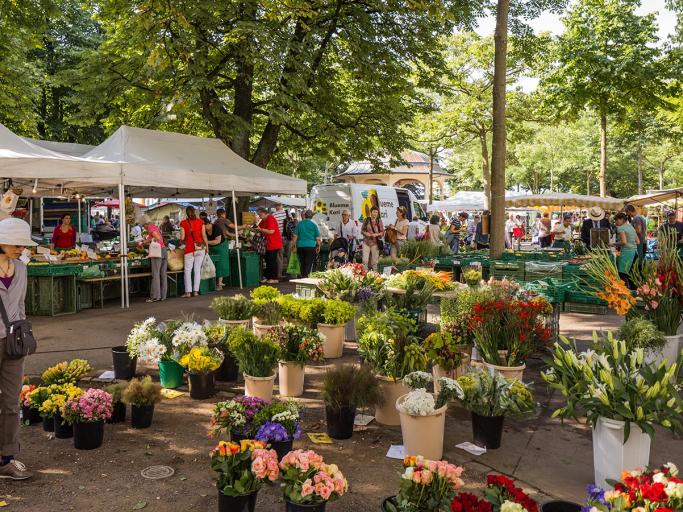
{"x": 290, "y": 202}
{"x": 658, "y": 197}
{"x": 112, "y": 203}
{"x": 565, "y": 200}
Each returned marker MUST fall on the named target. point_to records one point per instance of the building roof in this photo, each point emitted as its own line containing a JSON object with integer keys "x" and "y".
{"x": 415, "y": 163}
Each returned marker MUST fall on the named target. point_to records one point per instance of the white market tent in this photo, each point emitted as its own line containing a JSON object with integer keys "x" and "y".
{"x": 465, "y": 200}
{"x": 656, "y": 197}
{"x": 149, "y": 163}
{"x": 564, "y": 200}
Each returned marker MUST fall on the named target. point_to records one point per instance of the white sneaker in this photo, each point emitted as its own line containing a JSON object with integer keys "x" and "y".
{"x": 15, "y": 470}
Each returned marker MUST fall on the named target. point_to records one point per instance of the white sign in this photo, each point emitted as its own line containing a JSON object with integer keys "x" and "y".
{"x": 396, "y": 451}
{"x": 43, "y": 250}
{"x": 471, "y": 448}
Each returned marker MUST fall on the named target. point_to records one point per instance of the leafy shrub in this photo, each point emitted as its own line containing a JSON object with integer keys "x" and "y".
{"x": 639, "y": 332}
{"x": 338, "y": 312}
{"x": 351, "y": 386}
{"x": 140, "y": 392}
{"x": 262, "y": 294}
{"x": 311, "y": 311}
{"x": 116, "y": 391}
{"x": 256, "y": 356}
{"x": 268, "y": 313}
{"x": 233, "y": 308}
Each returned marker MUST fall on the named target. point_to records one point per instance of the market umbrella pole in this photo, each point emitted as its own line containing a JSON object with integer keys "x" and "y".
{"x": 237, "y": 238}
{"x": 80, "y": 229}
{"x": 123, "y": 236}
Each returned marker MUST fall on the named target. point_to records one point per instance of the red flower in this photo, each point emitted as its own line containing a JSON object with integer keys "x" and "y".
{"x": 466, "y": 502}
{"x": 663, "y": 509}
{"x": 654, "y": 492}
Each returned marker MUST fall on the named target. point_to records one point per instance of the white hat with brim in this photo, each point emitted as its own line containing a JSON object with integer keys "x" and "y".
{"x": 15, "y": 231}
{"x": 596, "y": 213}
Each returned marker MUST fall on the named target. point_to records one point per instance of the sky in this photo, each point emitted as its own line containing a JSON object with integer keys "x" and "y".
{"x": 666, "y": 20}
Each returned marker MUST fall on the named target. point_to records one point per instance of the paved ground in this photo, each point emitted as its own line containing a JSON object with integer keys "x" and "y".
{"x": 549, "y": 459}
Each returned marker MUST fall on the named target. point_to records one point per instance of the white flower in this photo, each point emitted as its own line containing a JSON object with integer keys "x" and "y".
{"x": 408, "y": 474}
{"x": 674, "y": 490}
{"x": 285, "y": 416}
{"x": 189, "y": 335}
{"x": 509, "y": 506}
{"x": 151, "y": 350}
{"x": 604, "y": 362}
{"x": 660, "y": 478}
{"x": 673, "y": 470}
{"x": 416, "y": 380}
{"x": 139, "y": 335}
{"x": 418, "y": 403}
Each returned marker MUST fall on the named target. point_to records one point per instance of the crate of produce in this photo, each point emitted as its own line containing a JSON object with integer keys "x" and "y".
{"x": 583, "y": 296}
{"x": 57, "y": 269}
{"x": 508, "y": 270}
{"x": 535, "y": 270}
{"x": 51, "y": 295}
{"x": 251, "y": 269}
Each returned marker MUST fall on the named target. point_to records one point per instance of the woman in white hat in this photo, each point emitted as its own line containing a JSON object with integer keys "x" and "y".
{"x": 15, "y": 235}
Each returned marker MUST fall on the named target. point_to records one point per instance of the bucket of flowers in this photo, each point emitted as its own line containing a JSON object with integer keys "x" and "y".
{"x": 152, "y": 343}
{"x": 201, "y": 363}
{"x": 87, "y": 413}
{"x": 29, "y": 415}
{"x": 501, "y": 494}
{"x": 235, "y": 417}
{"x": 257, "y": 357}
{"x": 657, "y": 489}
{"x": 426, "y": 485}
{"x": 58, "y": 396}
{"x": 308, "y": 484}
{"x": 278, "y": 424}
{"x": 298, "y": 346}
{"x": 242, "y": 468}
{"x": 423, "y": 414}
{"x": 35, "y": 400}
{"x": 447, "y": 355}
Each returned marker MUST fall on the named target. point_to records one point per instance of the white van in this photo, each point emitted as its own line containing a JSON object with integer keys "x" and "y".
{"x": 328, "y": 201}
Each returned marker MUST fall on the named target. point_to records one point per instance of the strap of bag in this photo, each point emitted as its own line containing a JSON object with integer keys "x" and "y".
{"x": 3, "y": 313}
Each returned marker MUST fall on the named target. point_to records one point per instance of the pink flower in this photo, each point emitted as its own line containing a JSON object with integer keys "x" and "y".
{"x": 417, "y": 477}
{"x": 324, "y": 490}
{"x": 427, "y": 477}
{"x": 259, "y": 468}
{"x": 340, "y": 486}
{"x": 307, "y": 488}
{"x": 654, "y": 304}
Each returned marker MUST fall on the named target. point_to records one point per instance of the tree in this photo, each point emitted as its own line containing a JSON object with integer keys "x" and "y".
{"x": 608, "y": 61}
{"x": 335, "y": 74}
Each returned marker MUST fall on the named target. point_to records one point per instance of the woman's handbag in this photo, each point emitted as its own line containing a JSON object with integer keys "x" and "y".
{"x": 154, "y": 249}
{"x": 208, "y": 268}
{"x": 176, "y": 260}
{"x": 391, "y": 235}
{"x": 20, "y": 339}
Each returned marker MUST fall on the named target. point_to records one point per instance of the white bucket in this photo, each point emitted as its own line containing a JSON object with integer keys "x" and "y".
{"x": 611, "y": 456}
{"x": 669, "y": 352}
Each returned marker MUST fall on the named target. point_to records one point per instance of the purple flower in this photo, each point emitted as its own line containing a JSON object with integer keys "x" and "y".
{"x": 297, "y": 431}
{"x": 272, "y": 432}
{"x": 596, "y": 493}
{"x": 365, "y": 293}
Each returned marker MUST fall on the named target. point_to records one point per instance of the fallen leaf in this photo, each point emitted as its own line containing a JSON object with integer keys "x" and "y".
{"x": 3, "y": 503}
{"x": 183, "y": 478}
{"x": 140, "y": 505}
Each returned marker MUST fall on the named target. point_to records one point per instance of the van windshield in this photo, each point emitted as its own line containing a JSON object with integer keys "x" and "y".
{"x": 417, "y": 210}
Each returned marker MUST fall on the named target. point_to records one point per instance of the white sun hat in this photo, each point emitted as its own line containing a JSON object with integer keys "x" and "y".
{"x": 596, "y": 213}
{"x": 15, "y": 231}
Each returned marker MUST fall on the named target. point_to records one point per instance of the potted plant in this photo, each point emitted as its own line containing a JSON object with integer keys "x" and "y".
{"x": 242, "y": 469}
{"x": 87, "y": 413}
{"x": 621, "y": 396}
{"x": 126, "y": 356}
{"x": 411, "y": 291}
{"x": 235, "y": 417}
{"x": 639, "y": 332}
{"x": 278, "y": 424}
{"x": 507, "y": 329}
{"x": 152, "y": 343}
{"x": 268, "y": 316}
{"x": 29, "y": 415}
{"x": 335, "y": 315}
{"x": 426, "y": 485}
{"x": 298, "y": 345}
{"x": 66, "y": 372}
{"x": 344, "y": 389}
{"x": 217, "y": 334}
{"x": 51, "y": 408}
{"x": 308, "y": 484}
{"x": 658, "y": 489}
{"x": 178, "y": 337}
{"x": 263, "y": 293}
{"x": 310, "y": 311}
{"x": 456, "y": 314}
{"x": 445, "y": 353}
{"x": 118, "y": 414}
{"x": 201, "y": 363}
{"x": 490, "y": 397}
{"x": 257, "y": 358}
{"x": 35, "y": 401}
{"x": 423, "y": 415}
{"x": 388, "y": 344}
{"x": 236, "y": 310}
{"x": 142, "y": 394}
{"x": 472, "y": 277}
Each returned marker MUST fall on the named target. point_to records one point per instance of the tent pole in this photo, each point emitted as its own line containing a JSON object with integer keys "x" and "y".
{"x": 80, "y": 228}
{"x": 30, "y": 214}
{"x": 237, "y": 237}
{"x": 123, "y": 236}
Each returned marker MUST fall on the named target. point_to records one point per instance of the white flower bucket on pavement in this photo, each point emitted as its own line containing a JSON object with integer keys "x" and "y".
{"x": 611, "y": 456}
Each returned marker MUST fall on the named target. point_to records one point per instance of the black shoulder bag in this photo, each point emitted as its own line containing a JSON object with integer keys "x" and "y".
{"x": 20, "y": 339}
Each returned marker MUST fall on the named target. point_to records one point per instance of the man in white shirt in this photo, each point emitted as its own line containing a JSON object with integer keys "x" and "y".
{"x": 564, "y": 233}
{"x": 349, "y": 229}
{"x": 413, "y": 228}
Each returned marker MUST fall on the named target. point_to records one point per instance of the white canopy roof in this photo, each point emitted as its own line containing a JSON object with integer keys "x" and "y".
{"x": 465, "y": 200}
{"x": 565, "y": 200}
{"x": 166, "y": 164}
{"x": 656, "y": 197}
{"x": 66, "y": 148}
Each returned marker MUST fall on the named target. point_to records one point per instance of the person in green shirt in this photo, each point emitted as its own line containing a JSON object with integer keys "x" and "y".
{"x": 307, "y": 241}
{"x": 627, "y": 242}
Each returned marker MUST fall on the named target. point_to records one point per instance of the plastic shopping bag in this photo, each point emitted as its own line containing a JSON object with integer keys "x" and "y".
{"x": 293, "y": 268}
{"x": 208, "y": 268}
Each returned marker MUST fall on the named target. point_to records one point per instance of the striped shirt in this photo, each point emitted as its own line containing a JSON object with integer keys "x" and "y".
{"x": 280, "y": 216}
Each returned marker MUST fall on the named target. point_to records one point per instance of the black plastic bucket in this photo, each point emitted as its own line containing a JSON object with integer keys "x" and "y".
{"x": 124, "y": 366}
{"x": 89, "y": 435}
{"x": 228, "y": 371}
{"x": 487, "y": 430}
{"x": 244, "y": 503}
{"x": 62, "y": 430}
{"x": 202, "y": 385}
{"x": 118, "y": 414}
{"x": 561, "y": 506}
{"x": 340, "y": 421}
{"x": 141, "y": 416}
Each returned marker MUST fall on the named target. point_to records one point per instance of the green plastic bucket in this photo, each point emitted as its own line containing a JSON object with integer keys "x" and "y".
{"x": 170, "y": 374}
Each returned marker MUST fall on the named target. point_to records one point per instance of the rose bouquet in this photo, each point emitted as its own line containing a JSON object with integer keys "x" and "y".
{"x": 307, "y": 480}
{"x": 243, "y": 467}
{"x": 236, "y": 416}
{"x": 24, "y": 393}
{"x": 467, "y": 502}
{"x": 657, "y": 490}
{"x": 426, "y": 486}
{"x": 92, "y": 406}
{"x": 506, "y": 497}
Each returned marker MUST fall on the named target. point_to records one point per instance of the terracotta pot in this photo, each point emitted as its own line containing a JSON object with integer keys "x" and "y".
{"x": 334, "y": 339}
{"x": 260, "y": 329}
{"x": 291, "y": 378}
{"x": 260, "y": 387}
{"x": 390, "y": 390}
{"x": 509, "y": 372}
{"x": 438, "y": 372}
{"x": 423, "y": 435}
{"x": 235, "y": 323}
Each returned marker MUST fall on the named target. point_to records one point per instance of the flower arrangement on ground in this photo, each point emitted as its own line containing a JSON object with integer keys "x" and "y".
{"x": 298, "y": 344}
{"x": 514, "y": 325}
{"x": 426, "y": 486}
{"x": 256, "y": 356}
{"x": 187, "y": 336}
{"x": 456, "y": 312}
{"x": 468, "y": 502}
{"x": 66, "y": 372}
{"x": 243, "y": 468}
{"x": 201, "y": 360}
{"x": 57, "y": 397}
{"x": 612, "y": 381}
{"x": 216, "y": 334}
{"x": 94, "y": 405}
{"x": 151, "y": 342}
{"x": 307, "y": 480}
{"x": 277, "y": 421}
{"x": 605, "y": 283}
{"x": 141, "y": 392}
{"x": 640, "y": 332}
{"x": 352, "y": 284}
{"x": 651, "y": 489}
{"x": 505, "y": 496}
{"x": 490, "y": 394}
{"x": 234, "y": 308}
{"x": 236, "y": 416}
{"x": 444, "y": 349}
{"x": 337, "y": 312}
{"x": 419, "y": 402}
{"x": 24, "y": 393}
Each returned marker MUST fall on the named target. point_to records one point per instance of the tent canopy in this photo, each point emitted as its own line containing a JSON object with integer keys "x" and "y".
{"x": 565, "y": 200}
{"x": 465, "y": 200}
{"x": 658, "y": 197}
{"x": 164, "y": 164}
{"x": 290, "y": 202}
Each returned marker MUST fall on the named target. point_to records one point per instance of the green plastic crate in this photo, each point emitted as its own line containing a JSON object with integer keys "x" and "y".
{"x": 54, "y": 270}
{"x": 51, "y": 295}
{"x": 577, "y": 307}
{"x": 251, "y": 269}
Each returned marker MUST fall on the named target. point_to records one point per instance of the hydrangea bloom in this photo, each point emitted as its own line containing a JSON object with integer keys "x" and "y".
{"x": 272, "y": 432}
{"x": 418, "y": 403}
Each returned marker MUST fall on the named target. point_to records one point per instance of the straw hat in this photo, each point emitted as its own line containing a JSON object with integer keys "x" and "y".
{"x": 15, "y": 231}
{"x": 596, "y": 213}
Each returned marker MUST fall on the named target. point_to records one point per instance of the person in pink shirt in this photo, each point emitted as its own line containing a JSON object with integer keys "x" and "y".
{"x": 158, "y": 259}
